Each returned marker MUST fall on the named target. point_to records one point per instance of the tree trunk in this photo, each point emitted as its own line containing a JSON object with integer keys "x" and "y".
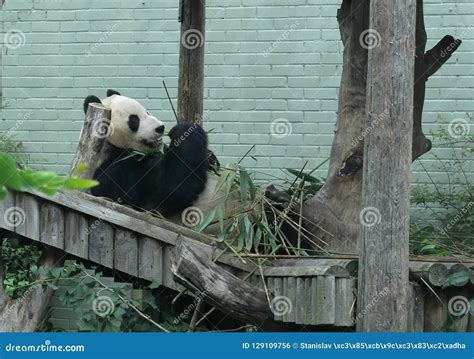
{"x": 27, "y": 313}
{"x": 335, "y": 208}
{"x": 385, "y": 218}
{"x": 191, "y": 62}
{"x": 93, "y": 146}
{"x": 332, "y": 215}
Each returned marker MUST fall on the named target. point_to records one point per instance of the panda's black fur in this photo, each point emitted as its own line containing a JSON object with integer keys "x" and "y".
{"x": 168, "y": 183}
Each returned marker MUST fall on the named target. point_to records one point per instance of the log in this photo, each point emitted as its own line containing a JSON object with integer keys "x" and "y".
{"x": 193, "y": 267}
{"x": 26, "y": 314}
{"x": 459, "y": 268}
{"x": 191, "y": 62}
{"x": 385, "y": 216}
{"x": 432, "y": 273}
{"x": 93, "y": 146}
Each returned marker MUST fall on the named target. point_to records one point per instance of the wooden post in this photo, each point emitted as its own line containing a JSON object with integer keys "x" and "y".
{"x": 191, "y": 61}
{"x": 93, "y": 144}
{"x": 383, "y": 270}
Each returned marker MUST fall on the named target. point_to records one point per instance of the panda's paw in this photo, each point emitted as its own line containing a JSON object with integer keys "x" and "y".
{"x": 183, "y": 131}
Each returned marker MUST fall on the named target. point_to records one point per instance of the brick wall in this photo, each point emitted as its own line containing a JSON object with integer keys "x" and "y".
{"x": 265, "y": 60}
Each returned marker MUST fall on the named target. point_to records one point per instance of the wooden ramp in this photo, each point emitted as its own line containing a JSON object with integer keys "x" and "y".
{"x": 306, "y": 291}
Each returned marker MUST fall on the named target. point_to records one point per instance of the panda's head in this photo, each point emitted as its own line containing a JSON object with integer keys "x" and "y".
{"x": 132, "y": 126}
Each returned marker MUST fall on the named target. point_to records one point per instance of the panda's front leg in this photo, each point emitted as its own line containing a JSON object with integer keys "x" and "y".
{"x": 183, "y": 170}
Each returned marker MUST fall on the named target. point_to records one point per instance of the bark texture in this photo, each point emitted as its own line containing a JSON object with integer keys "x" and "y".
{"x": 27, "y": 313}
{"x": 385, "y": 217}
{"x": 191, "y": 62}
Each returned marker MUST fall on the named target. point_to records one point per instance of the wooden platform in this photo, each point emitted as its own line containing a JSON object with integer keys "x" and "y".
{"x": 306, "y": 291}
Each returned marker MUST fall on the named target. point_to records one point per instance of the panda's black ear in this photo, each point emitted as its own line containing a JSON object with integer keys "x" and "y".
{"x": 90, "y": 99}
{"x": 112, "y": 92}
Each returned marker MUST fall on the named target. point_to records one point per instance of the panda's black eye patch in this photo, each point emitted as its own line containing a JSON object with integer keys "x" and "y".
{"x": 133, "y": 122}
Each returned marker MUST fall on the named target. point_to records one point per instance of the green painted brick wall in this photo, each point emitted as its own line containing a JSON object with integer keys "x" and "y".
{"x": 265, "y": 60}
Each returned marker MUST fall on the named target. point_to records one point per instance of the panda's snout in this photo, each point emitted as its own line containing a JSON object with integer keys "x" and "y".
{"x": 160, "y": 129}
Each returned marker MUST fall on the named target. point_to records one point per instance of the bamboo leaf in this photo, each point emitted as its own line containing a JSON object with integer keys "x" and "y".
{"x": 220, "y": 216}
{"x": 248, "y": 234}
{"x": 206, "y": 221}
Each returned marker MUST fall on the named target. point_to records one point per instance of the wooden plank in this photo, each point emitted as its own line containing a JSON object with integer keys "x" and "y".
{"x": 27, "y": 213}
{"x": 150, "y": 259}
{"x": 126, "y": 251}
{"x": 344, "y": 305}
{"x": 459, "y": 308}
{"x": 278, "y": 292}
{"x": 101, "y": 243}
{"x": 415, "y": 309}
{"x": 291, "y": 295}
{"x": 140, "y": 222}
{"x": 299, "y": 304}
{"x": 326, "y": 299}
{"x": 307, "y": 300}
{"x": 6, "y": 208}
{"x": 76, "y": 234}
{"x": 436, "y": 312}
{"x": 52, "y": 225}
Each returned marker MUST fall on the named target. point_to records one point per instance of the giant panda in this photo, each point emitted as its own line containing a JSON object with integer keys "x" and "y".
{"x": 169, "y": 183}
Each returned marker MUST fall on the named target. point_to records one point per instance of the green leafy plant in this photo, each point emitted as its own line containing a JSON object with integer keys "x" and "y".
{"x": 18, "y": 261}
{"x": 450, "y": 225}
{"x": 24, "y": 179}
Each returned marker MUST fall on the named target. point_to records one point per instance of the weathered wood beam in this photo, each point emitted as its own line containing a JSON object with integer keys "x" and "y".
{"x": 385, "y": 217}
{"x": 191, "y": 62}
{"x": 93, "y": 145}
{"x": 192, "y": 265}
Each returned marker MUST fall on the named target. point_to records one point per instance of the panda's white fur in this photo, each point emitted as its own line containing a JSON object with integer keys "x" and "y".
{"x": 146, "y": 138}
